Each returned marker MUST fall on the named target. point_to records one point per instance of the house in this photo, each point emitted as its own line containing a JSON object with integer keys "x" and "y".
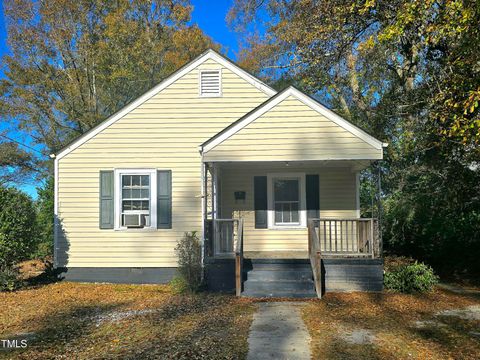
{"x": 269, "y": 180}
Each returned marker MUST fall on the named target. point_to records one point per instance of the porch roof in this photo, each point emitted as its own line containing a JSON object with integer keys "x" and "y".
{"x": 291, "y": 126}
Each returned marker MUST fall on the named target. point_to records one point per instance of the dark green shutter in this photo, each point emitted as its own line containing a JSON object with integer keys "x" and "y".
{"x": 106, "y": 220}
{"x": 313, "y": 196}
{"x": 260, "y": 201}
{"x": 164, "y": 199}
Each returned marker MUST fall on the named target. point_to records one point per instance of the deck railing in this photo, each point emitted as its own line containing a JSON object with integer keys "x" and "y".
{"x": 221, "y": 235}
{"x": 348, "y": 237}
{"x": 315, "y": 255}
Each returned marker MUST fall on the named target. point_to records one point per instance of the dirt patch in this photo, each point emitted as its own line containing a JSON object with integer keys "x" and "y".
{"x": 469, "y": 313}
{"x": 116, "y": 316}
{"x": 425, "y": 324}
{"x": 30, "y": 269}
{"x": 357, "y": 336}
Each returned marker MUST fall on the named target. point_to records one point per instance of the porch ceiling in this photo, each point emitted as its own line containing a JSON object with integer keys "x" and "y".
{"x": 354, "y": 165}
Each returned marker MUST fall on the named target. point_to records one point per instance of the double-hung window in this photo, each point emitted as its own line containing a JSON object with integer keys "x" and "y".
{"x": 286, "y": 195}
{"x": 286, "y": 199}
{"x": 136, "y": 199}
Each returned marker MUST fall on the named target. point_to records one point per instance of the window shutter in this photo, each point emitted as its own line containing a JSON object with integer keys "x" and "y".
{"x": 260, "y": 201}
{"x": 313, "y": 196}
{"x": 106, "y": 212}
{"x": 210, "y": 83}
{"x": 164, "y": 199}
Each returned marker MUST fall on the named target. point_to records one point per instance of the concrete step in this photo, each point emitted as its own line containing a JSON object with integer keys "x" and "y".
{"x": 279, "y": 285}
{"x": 265, "y": 275}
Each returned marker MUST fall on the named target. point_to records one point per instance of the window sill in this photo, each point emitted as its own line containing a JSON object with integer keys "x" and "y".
{"x": 137, "y": 230}
{"x": 287, "y": 227}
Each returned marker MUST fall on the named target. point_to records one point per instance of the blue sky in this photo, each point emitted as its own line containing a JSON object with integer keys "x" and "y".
{"x": 209, "y": 15}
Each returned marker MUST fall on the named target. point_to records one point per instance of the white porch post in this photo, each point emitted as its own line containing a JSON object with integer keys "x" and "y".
{"x": 204, "y": 208}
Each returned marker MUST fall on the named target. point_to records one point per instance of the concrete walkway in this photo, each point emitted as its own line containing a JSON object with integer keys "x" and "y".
{"x": 278, "y": 332}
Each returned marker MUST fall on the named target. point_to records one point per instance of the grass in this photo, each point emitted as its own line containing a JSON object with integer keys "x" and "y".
{"x": 105, "y": 321}
{"x": 91, "y": 321}
{"x": 393, "y": 320}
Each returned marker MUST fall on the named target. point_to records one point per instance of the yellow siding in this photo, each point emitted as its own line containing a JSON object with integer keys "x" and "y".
{"x": 292, "y": 131}
{"x": 162, "y": 133}
{"x": 337, "y": 199}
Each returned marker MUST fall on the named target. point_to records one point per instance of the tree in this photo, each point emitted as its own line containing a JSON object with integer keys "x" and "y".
{"x": 407, "y": 72}
{"x": 73, "y": 63}
{"x": 45, "y": 218}
{"x": 18, "y": 235}
{"x": 16, "y": 165}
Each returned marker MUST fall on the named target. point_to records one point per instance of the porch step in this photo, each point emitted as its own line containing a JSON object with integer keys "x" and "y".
{"x": 280, "y": 294}
{"x": 278, "y": 285}
{"x": 279, "y": 275}
{"x": 278, "y": 278}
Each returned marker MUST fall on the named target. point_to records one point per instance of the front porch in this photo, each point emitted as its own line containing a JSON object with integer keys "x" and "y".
{"x": 246, "y": 249}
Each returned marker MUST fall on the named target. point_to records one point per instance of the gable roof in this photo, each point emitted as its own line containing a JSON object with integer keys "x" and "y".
{"x": 277, "y": 99}
{"x": 209, "y": 54}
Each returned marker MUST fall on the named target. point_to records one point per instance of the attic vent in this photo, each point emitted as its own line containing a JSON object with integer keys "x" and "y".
{"x": 210, "y": 83}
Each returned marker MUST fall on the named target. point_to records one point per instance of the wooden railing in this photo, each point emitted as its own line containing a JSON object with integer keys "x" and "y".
{"x": 315, "y": 255}
{"x": 224, "y": 238}
{"x": 239, "y": 259}
{"x": 348, "y": 237}
{"x": 221, "y": 236}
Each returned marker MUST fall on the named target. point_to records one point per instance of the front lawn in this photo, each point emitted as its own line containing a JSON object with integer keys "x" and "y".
{"x": 438, "y": 325}
{"x": 87, "y": 321}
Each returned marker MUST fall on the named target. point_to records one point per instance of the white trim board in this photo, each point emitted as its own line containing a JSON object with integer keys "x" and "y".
{"x": 56, "y": 220}
{"x": 270, "y": 104}
{"x": 210, "y": 54}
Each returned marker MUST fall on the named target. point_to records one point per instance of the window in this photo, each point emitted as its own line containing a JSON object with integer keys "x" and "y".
{"x": 136, "y": 199}
{"x": 286, "y": 199}
{"x": 210, "y": 83}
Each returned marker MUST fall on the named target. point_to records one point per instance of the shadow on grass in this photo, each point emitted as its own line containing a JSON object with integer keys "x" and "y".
{"x": 183, "y": 327}
{"x": 59, "y": 330}
{"x": 199, "y": 327}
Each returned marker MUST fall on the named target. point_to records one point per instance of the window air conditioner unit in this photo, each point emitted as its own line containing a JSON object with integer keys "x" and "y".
{"x": 133, "y": 220}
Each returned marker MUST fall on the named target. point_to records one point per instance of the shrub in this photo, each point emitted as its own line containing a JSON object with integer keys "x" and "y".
{"x": 179, "y": 285}
{"x": 9, "y": 278}
{"x": 45, "y": 219}
{"x": 410, "y": 278}
{"x": 17, "y": 226}
{"x": 189, "y": 252}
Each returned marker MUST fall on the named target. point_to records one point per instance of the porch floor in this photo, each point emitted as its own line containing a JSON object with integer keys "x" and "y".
{"x": 275, "y": 254}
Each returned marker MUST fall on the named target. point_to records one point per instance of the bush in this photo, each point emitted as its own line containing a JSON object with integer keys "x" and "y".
{"x": 9, "y": 278}
{"x": 45, "y": 219}
{"x": 17, "y": 226}
{"x": 179, "y": 285}
{"x": 410, "y": 278}
{"x": 189, "y": 252}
